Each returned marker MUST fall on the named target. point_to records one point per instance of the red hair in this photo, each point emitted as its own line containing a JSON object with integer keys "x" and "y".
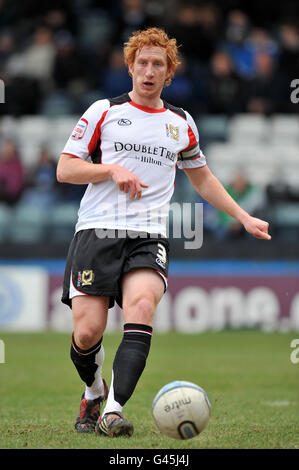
{"x": 152, "y": 37}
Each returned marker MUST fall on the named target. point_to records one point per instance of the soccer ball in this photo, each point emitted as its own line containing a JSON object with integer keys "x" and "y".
{"x": 181, "y": 409}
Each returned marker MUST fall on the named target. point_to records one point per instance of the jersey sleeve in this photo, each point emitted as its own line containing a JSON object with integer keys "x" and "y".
{"x": 191, "y": 156}
{"x": 87, "y": 132}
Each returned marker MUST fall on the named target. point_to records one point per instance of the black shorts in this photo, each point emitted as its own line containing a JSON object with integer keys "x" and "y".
{"x": 95, "y": 265}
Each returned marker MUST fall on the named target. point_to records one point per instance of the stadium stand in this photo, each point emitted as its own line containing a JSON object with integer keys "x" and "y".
{"x": 61, "y": 222}
{"x": 28, "y": 224}
{"x": 5, "y": 222}
{"x": 244, "y": 126}
{"x": 264, "y": 150}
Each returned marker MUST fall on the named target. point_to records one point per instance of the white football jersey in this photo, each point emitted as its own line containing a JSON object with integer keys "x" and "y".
{"x": 150, "y": 143}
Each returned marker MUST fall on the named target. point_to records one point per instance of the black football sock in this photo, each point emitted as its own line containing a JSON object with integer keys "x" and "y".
{"x": 85, "y": 361}
{"x": 130, "y": 360}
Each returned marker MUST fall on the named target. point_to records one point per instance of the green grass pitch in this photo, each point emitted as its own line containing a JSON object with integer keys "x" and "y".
{"x": 252, "y": 384}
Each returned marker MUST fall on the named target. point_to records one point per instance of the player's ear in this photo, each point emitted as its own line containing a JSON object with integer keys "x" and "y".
{"x": 169, "y": 75}
{"x": 130, "y": 69}
{"x": 170, "y": 72}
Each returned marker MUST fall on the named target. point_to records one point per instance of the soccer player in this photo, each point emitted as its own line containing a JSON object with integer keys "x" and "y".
{"x": 120, "y": 251}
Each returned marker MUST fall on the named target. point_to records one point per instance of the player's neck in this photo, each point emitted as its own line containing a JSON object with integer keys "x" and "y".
{"x": 155, "y": 103}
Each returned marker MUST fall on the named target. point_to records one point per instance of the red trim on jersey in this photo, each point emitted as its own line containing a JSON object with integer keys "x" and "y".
{"x": 146, "y": 109}
{"x": 85, "y": 120}
{"x": 97, "y": 134}
{"x": 70, "y": 154}
{"x": 192, "y": 139}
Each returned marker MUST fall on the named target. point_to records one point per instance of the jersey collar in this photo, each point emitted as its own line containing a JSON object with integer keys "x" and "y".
{"x": 147, "y": 109}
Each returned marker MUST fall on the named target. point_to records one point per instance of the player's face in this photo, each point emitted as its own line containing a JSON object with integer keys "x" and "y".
{"x": 149, "y": 71}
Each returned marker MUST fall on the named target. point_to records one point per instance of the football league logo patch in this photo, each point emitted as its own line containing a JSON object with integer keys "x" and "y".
{"x": 80, "y": 129}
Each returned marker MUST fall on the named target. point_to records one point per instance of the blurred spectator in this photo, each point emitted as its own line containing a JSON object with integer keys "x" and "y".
{"x": 133, "y": 12}
{"x": 266, "y": 90}
{"x": 251, "y": 198}
{"x": 6, "y": 48}
{"x": 36, "y": 61}
{"x": 289, "y": 52}
{"x": 236, "y": 45}
{"x": 114, "y": 79}
{"x": 180, "y": 91}
{"x": 43, "y": 176}
{"x": 260, "y": 41}
{"x": 237, "y": 27}
{"x": 133, "y": 16}
{"x": 42, "y": 186}
{"x": 156, "y": 11}
{"x": 209, "y": 30}
{"x": 225, "y": 88}
{"x": 196, "y": 30}
{"x": 69, "y": 67}
{"x": 11, "y": 173}
{"x": 185, "y": 30}
{"x": 56, "y": 20}
{"x": 28, "y": 74}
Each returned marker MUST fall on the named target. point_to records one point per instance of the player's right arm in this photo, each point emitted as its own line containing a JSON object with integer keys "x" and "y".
{"x": 72, "y": 166}
{"x": 71, "y": 169}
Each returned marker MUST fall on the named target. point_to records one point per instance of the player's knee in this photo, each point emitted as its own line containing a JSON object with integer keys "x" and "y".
{"x": 87, "y": 336}
{"x": 140, "y": 310}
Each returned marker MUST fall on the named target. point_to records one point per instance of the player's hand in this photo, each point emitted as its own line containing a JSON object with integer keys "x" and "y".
{"x": 127, "y": 181}
{"x": 257, "y": 227}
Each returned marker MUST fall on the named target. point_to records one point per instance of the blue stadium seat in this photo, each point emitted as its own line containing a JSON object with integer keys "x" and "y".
{"x": 9, "y": 127}
{"x": 57, "y": 104}
{"x": 5, "y": 221}
{"x": 62, "y": 221}
{"x": 285, "y": 130}
{"x": 212, "y": 128}
{"x": 249, "y": 128}
{"x": 28, "y": 224}
{"x": 285, "y": 220}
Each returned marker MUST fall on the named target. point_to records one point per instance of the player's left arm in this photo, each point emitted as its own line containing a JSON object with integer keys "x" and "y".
{"x": 210, "y": 188}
